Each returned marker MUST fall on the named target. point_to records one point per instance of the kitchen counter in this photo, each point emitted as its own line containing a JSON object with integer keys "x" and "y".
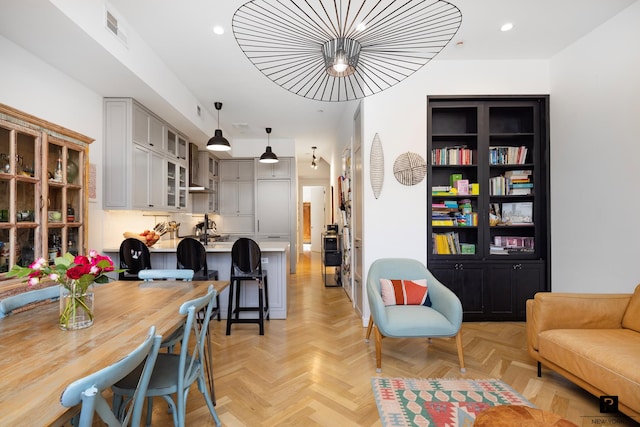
{"x": 275, "y": 260}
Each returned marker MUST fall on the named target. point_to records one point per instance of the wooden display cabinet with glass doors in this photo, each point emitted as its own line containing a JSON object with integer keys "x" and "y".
{"x": 43, "y": 182}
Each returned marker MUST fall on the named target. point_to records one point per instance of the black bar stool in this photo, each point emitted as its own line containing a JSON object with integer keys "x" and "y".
{"x": 192, "y": 255}
{"x": 246, "y": 266}
{"x": 134, "y": 256}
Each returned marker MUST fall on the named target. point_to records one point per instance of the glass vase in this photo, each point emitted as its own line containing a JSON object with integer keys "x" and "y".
{"x": 76, "y": 307}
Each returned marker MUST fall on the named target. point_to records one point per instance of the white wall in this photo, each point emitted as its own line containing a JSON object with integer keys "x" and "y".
{"x": 395, "y": 223}
{"x": 31, "y": 85}
{"x": 595, "y": 152}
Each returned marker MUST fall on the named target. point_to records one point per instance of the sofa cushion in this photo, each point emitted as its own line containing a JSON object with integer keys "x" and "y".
{"x": 606, "y": 358}
{"x": 631, "y": 318}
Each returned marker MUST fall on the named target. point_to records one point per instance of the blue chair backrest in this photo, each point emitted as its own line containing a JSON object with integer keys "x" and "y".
{"x": 13, "y": 302}
{"x": 190, "y": 364}
{"x": 165, "y": 274}
{"x": 88, "y": 390}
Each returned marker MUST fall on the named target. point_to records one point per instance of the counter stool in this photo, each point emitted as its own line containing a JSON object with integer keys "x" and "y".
{"x": 192, "y": 255}
{"x": 134, "y": 256}
{"x": 246, "y": 266}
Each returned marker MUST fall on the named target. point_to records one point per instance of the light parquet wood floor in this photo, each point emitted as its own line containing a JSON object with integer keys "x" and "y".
{"x": 314, "y": 368}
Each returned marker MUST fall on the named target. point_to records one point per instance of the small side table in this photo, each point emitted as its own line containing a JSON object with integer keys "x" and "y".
{"x": 331, "y": 254}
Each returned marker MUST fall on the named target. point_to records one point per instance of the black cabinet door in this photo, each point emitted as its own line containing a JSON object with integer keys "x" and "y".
{"x": 530, "y": 278}
{"x": 466, "y": 280}
{"x": 511, "y": 285}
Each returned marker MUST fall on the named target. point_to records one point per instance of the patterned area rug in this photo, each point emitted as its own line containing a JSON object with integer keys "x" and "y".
{"x": 439, "y": 402}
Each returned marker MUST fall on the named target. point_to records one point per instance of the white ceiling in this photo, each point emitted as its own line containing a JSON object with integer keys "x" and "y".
{"x": 213, "y": 68}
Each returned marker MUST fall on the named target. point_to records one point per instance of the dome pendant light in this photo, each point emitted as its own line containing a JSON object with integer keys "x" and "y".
{"x": 218, "y": 142}
{"x": 268, "y": 156}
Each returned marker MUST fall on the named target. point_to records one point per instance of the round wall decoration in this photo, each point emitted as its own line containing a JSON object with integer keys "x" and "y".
{"x": 409, "y": 168}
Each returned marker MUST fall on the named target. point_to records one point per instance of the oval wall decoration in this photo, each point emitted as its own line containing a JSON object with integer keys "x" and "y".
{"x": 409, "y": 168}
{"x": 376, "y": 166}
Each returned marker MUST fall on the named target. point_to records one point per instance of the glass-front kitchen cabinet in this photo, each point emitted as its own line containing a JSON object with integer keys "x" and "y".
{"x": 43, "y": 183}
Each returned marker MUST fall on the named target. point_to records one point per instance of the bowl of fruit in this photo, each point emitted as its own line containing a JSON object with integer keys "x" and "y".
{"x": 148, "y": 237}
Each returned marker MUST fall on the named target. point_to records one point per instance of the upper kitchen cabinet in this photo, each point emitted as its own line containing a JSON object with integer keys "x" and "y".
{"x": 176, "y": 146}
{"x": 236, "y": 170}
{"x": 204, "y": 183}
{"x": 148, "y": 129}
{"x": 43, "y": 199}
{"x": 151, "y": 171}
{"x": 279, "y": 170}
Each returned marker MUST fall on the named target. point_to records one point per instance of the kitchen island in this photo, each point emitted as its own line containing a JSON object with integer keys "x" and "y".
{"x": 275, "y": 260}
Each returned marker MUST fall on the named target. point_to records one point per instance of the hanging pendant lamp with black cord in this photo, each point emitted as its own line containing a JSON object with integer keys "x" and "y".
{"x": 268, "y": 156}
{"x": 218, "y": 142}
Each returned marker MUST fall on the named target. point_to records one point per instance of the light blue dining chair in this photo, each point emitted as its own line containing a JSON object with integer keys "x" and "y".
{"x": 442, "y": 319}
{"x": 165, "y": 274}
{"x": 88, "y": 390}
{"x": 175, "y": 373}
{"x": 168, "y": 274}
{"x": 14, "y": 302}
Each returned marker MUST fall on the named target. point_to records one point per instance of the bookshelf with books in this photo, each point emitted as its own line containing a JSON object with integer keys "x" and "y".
{"x": 489, "y": 195}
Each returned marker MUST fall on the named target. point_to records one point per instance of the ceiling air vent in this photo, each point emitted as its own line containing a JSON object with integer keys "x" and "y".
{"x": 112, "y": 25}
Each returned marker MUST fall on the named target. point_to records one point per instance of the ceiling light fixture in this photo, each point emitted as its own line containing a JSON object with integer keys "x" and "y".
{"x": 268, "y": 156}
{"x": 218, "y": 142}
{"x": 314, "y": 164}
{"x": 218, "y": 30}
{"x": 345, "y": 50}
{"x": 506, "y": 27}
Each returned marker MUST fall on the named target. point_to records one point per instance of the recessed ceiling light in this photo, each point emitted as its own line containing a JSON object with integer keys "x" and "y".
{"x": 218, "y": 30}
{"x": 361, "y": 27}
{"x": 506, "y": 27}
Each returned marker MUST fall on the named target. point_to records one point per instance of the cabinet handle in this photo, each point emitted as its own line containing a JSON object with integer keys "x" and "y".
{"x": 150, "y": 206}
{"x": 258, "y": 226}
{"x": 151, "y": 144}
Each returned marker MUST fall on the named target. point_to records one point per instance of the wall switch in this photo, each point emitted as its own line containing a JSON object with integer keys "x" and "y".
{"x": 265, "y": 260}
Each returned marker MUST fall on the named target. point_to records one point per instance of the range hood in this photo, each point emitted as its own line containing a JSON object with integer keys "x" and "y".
{"x": 195, "y": 186}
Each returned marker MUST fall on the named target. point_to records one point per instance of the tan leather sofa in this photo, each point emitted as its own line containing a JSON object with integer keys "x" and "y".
{"x": 591, "y": 339}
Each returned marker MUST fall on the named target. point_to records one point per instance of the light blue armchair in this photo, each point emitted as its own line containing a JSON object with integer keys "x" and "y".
{"x": 442, "y": 319}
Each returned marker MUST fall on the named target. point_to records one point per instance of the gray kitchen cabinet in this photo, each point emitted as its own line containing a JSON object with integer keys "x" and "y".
{"x": 236, "y": 197}
{"x": 146, "y": 187}
{"x": 206, "y": 200}
{"x": 148, "y": 129}
{"x": 176, "y": 145}
{"x": 280, "y": 170}
{"x": 273, "y": 208}
{"x": 137, "y": 177}
{"x": 176, "y": 187}
{"x": 236, "y": 170}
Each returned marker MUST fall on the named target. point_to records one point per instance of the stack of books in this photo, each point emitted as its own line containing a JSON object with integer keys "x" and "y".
{"x": 446, "y": 243}
{"x": 440, "y": 190}
{"x": 449, "y": 244}
{"x": 508, "y": 155}
{"x": 507, "y": 245}
{"x": 512, "y": 183}
{"x": 458, "y": 155}
{"x": 443, "y": 213}
{"x": 519, "y": 182}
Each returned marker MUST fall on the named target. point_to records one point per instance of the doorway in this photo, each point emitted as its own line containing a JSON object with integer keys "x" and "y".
{"x": 306, "y": 223}
{"x": 314, "y": 198}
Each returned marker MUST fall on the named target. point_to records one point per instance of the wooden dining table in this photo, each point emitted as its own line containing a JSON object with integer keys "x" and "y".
{"x": 38, "y": 360}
